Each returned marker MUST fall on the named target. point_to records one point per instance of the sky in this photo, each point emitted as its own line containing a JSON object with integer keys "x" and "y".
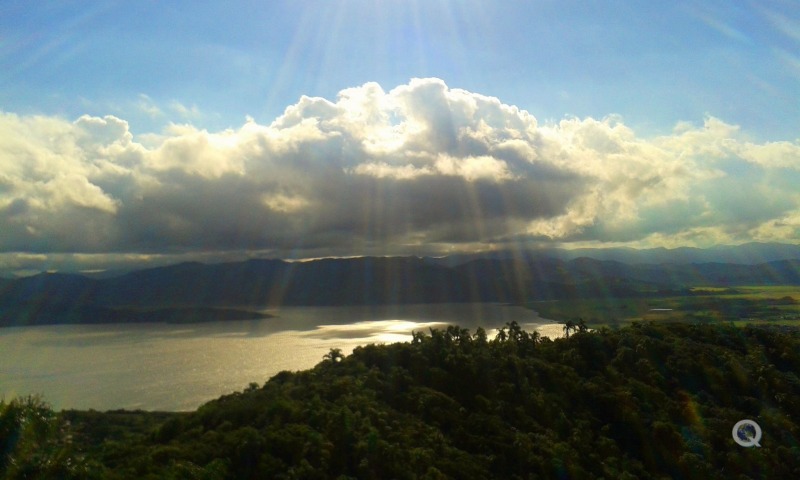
{"x": 141, "y": 133}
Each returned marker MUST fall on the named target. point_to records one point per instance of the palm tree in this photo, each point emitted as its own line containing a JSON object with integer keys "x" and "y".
{"x": 582, "y": 327}
{"x": 569, "y": 325}
{"x": 335, "y": 355}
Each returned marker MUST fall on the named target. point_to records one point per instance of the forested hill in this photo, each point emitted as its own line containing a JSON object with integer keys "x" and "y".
{"x": 647, "y": 401}
{"x": 69, "y": 298}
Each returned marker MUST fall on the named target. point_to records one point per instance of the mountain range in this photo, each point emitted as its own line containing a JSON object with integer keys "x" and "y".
{"x": 190, "y": 291}
{"x": 746, "y": 254}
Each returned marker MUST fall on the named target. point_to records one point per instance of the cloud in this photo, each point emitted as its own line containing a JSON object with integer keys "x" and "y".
{"x": 147, "y": 106}
{"x": 191, "y": 112}
{"x": 422, "y": 168}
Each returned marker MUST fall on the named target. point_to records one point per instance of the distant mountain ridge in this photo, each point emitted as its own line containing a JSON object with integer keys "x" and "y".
{"x": 746, "y": 254}
{"x": 70, "y": 298}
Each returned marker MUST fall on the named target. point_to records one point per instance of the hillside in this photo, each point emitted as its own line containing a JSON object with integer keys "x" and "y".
{"x": 70, "y": 298}
{"x": 648, "y": 401}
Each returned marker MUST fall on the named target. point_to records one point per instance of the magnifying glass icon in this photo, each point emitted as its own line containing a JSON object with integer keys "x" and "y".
{"x": 747, "y": 433}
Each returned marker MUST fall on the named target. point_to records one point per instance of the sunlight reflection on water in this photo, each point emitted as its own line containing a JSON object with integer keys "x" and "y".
{"x": 374, "y": 331}
{"x": 179, "y": 367}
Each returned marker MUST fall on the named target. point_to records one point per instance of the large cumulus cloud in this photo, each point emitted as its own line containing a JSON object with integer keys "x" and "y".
{"x": 422, "y": 168}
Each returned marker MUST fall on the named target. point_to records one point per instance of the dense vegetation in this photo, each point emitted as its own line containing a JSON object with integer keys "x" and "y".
{"x": 647, "y": 401}
{"x": 776, "y": 304}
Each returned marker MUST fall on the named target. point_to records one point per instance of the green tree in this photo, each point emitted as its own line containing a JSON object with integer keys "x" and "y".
{"x": 334, "y": 356}
{"x": 569, "y": 326}
{"x": 581, "y": 326}
{"x": 35, "y": 442}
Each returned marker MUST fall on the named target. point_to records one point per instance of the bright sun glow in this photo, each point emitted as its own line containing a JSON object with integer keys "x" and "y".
{"x": 392, "y": 128}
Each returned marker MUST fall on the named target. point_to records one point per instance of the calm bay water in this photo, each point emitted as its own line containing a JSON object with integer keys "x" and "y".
{"x": 179, "y": 367}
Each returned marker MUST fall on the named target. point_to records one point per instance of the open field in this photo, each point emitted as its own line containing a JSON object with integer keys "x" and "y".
{"x": 740, "y": 305}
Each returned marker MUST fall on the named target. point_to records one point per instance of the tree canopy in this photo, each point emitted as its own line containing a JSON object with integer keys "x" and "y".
{"x": 646, "y": 401}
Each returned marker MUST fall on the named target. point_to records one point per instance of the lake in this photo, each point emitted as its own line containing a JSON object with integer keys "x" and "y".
{"x": 179, "y": 367}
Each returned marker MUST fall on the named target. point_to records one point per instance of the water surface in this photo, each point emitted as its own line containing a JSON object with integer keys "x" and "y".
{"x": 179, "y": 367}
